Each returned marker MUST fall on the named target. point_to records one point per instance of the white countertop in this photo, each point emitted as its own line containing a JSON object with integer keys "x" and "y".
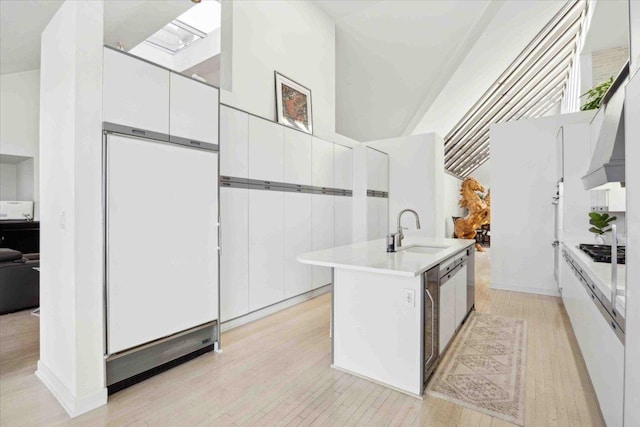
{"x": 599, "y": 272}
{"x": 373, "y": 257}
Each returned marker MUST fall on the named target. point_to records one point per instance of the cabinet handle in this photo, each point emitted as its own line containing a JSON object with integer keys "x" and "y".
{"x": 138, "y": 132}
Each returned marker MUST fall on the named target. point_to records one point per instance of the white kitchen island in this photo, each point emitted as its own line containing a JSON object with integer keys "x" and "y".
{"x": 393, "y": 314}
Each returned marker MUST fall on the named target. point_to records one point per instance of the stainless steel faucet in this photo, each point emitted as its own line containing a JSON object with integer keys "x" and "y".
{"x": 400, "y": 234}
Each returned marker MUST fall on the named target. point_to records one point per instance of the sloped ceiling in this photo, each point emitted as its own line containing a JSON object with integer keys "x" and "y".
{"x": 392, "y": 56}
{"x": 126, "y": 21}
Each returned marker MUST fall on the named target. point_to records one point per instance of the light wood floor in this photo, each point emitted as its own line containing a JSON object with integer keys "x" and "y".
{"x": 275, "y": 371}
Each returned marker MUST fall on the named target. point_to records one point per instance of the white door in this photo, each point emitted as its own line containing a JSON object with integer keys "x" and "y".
{"x": 135, "y": 93}
{"x": 193, "y": 110}
{"x": 322, "y": 234}
{"x": 266, "y": 150}
{"x": 343, "y": 208}
{"x": 162, "y": 256}
{"x": 234, "y": 142}
{"x": 343, "y": 167}
{"x": 373, "y": 218}
{"x": 234, "y": 256}
{"x": 383, "y": 216}
{"x": 297, "y": 240}
{"x": 297, "y": 157}
{"x": 266, "y": 248}
{"x": 322, "y": 159}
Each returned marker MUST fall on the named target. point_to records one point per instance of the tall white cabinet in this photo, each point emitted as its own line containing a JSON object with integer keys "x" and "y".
{"x": 377, "y": 194}
{"x": 283, "y": 193}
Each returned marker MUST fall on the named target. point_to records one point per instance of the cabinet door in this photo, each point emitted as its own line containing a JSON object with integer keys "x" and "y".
{"x": 605, "y": 362}
{"x": 343, "y": 167}
{"x": 297, "y": 157}
{"x": 234, "y": 256}
{"x": 461, "y": 294}
{"x": 266, "y": 248}
{"x": 343, "y": 220}
{"x": 297, "y": 240}
{"x": 322, "y": 234}
{"x": 383, "y": 216}
{"x": 135, "y": 93}
{"x": 373, "y": 218}
{"x": 234, "y": 142}
{"x": 447, "y": 312}
{"x": 193, "y": 109}
{"x": 377, "y": 170}
{"x": 266, "y": 150}
{"x": 322, "y": 168}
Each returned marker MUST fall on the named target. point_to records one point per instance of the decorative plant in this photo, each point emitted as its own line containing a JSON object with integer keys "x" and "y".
{"x": 600, "y": 222}
{"x": 595, "y": 95}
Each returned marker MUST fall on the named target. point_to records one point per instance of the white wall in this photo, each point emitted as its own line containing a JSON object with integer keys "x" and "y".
{"x": 71, "y": 361}
{"x": 8, "y": 181}
{"x": 416, "y": 180}
{"x": 20, "y": 121}
{"x": 296, "y": 39}
{"x": 483, "y": 174}
{"x": 25, "y": 173}
{"x": 451, "y": 197}
{"x": 523, "y": 180}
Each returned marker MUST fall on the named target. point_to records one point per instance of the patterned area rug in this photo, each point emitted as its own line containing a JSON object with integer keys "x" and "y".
{"x": 484, "y": 368}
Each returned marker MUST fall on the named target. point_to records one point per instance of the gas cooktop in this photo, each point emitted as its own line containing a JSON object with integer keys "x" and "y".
{"x": 602, "y": 253}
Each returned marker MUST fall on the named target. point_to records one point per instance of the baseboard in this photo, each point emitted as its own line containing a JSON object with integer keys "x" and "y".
{"x": 274, "y": 308}
{"x": 525, "y": 289}
{"x": 73, "y": 405}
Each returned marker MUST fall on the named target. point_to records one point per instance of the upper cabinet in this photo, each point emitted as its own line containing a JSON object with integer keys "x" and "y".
{"x": 135, "y": 93}
{"x": 343, "y": 167}
{"x": 297, "y": 157}
{"x": 377, "y": 170}
{"x": 322, "y": 168}
{"x": 234, "y": 142}
{"x": 193, "y": 110}
{"x": 266, "y": 150}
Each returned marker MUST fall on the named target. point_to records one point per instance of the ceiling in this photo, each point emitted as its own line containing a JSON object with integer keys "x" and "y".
{"x": 126, "y": 21}
{"x": 338, "y": 9}
{"x": 21, "y": 22}
{"x": 392, "y": 56}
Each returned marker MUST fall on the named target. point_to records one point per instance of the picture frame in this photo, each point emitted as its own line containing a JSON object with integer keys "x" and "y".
{"x": 293, "y": 104}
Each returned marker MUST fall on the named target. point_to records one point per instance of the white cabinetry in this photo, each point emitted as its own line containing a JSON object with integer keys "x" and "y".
{"x": 266, "y": 248}
{"x": 322, "y": 168}
{"x": 343, "y": 229}
{"x": 377, "y": 170}
{"x": 193, "y": 110}
{"x": 343, "y": 167}
{"x": 234, "y": 142}
{"x": 297, "y": 157}
{"x": 135, "y": 93}
{"x": 322, "y": 234}
{"x": 377, "y": 217}
{"x": 234, "y": 256}
{"x": 266, "y": 150}
{"x": 601, "y": 349}
{"x": 297, "y": 240}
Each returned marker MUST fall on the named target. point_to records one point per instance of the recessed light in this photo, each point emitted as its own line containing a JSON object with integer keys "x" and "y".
{"x": 196, "y": 1}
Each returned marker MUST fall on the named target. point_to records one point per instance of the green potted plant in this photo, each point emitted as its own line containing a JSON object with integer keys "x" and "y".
{"x": 600, "y": 225}
{"x": 595, "y": 94}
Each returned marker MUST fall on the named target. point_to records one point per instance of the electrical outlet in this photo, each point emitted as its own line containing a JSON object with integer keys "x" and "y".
{"x": 408, "y": 297}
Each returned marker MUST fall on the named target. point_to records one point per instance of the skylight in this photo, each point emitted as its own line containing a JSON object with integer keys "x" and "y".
{"x": 193, "y": 25}
{"x": 532, "y": 85}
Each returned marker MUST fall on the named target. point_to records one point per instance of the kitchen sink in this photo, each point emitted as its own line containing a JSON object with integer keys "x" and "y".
{"x": 425, "y": 249}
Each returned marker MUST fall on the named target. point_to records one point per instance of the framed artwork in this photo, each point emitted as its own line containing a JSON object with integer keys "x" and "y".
{"x": 293, "y": 104}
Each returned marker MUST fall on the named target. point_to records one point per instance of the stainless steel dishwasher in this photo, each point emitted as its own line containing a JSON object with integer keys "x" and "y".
{"x": 431, "y": 348}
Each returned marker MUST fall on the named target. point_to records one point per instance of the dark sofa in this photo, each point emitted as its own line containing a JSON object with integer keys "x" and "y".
{"x": 19, "y": 282}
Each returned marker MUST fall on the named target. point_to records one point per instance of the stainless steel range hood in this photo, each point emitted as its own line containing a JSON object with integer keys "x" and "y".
{"x": 607, "y": 163}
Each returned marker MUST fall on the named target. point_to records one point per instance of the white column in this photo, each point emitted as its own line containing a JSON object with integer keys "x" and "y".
{"x": 71, "y": 361}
